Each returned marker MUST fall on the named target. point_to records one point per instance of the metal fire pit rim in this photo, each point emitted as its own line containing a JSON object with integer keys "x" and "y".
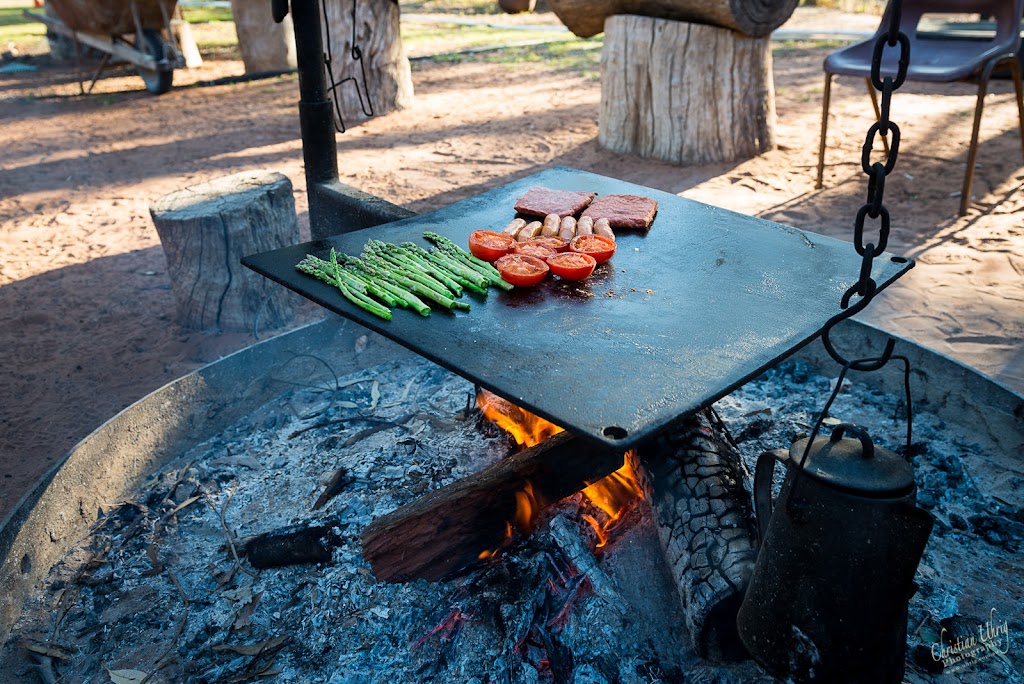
{"x": 53, "y": 514}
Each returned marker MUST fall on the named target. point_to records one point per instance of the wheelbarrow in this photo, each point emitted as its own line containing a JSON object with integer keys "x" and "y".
{"x": 124, "y": 31}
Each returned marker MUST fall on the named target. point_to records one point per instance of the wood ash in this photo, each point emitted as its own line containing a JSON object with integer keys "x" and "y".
{"x": 162, "y": 588}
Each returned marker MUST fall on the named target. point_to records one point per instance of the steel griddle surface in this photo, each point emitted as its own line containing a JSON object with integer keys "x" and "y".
{"x": 679, "y": 317}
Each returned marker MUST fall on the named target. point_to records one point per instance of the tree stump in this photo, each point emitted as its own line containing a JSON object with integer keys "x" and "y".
{"x": 206, "y": 229}
{"x": 264, "y": 44}
{"x": 381, "y": 81}
{"x": 685, "y": 93}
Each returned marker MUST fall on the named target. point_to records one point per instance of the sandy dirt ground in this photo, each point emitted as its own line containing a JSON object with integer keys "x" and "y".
{"x": 85, "y": 301}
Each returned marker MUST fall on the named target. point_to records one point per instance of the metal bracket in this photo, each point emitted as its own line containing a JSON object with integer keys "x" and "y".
{"x": 279, "y": 8}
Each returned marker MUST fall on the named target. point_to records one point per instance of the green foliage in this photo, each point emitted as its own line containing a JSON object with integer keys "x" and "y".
{"x": 451, "y": 7}
{"x": 202, "y": 15}
{"x": 16, "y": 28}
{"x": 581, "y": 56}
{"x": 432, "y": 39}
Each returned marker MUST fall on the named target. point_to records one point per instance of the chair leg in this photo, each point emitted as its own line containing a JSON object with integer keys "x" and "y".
{"x": 1019, "y": 89}
{"x": 972, "y": 151}
{"x": 878, "y": 113}
{"x": 827, "y": 95}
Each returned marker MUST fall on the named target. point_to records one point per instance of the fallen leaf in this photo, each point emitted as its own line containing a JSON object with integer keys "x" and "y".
{"x": 361, "y": 343}
{"x": 241, "y": 594}
{"x": 244, "y": 616}
{"x": 126, "y": 676}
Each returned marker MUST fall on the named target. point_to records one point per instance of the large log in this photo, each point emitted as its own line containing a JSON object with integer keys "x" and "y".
{"x": 381, "y": 81}
{"x": 206, "y": 229}
{"x": 694, "y": 477}
{"x": 586, "y": 18}
{"x": 446, "y": 530}
{"x": 685, "y": 93}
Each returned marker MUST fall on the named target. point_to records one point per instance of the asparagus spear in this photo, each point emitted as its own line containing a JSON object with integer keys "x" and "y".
{"x": 352, "y": 278}
{"x": 411, "y": 261}
{"x": 446, "y": 246}
{"x": 381, "y": 278}
{"x": 376, "y": 251}
{"x": 438, "y": 262}
{"x": 418, "y": 288}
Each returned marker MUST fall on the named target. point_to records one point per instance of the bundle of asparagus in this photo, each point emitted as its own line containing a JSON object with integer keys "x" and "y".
{"x": 405, "y": 275}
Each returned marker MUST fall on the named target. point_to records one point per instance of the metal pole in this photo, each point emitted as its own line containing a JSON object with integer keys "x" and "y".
{"x": 316, "y": 117}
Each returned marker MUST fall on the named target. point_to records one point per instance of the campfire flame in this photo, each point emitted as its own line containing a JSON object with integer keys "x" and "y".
{"x": 527, "y": 428}
{"x": 528, "y": 504}
{"x": 614, "y": 495}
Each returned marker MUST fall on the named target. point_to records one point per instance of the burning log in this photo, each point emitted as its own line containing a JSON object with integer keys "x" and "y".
{"x": 453, "y": 527}
{"x": 564, "y": 534}
{"x": 694, "y": 478}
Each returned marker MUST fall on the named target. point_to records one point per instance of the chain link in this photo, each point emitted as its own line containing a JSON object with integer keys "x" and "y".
{"x": 874, "y": 207}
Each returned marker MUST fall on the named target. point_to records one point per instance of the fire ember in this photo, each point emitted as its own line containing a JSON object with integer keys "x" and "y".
{"x": 245, "y": 558}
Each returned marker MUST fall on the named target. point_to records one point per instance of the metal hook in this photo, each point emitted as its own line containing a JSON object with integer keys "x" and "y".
{"x": 865, "y": 365}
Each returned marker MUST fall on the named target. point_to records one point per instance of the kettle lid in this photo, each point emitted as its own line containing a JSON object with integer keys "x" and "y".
{"x": 854, "y": 465}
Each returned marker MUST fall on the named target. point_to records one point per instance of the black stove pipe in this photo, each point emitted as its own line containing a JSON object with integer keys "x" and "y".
{"x": 333, "y": 206}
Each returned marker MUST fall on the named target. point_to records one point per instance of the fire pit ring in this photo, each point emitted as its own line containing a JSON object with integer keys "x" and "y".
{"x": 114, "y": 460}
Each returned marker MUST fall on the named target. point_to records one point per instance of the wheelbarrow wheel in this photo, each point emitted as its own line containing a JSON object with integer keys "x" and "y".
{"x": 158, "y": 81}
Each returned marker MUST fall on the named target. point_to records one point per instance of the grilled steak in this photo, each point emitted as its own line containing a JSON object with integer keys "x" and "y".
{"x": 624, "y": 211}
{"x": 540, "y": 201}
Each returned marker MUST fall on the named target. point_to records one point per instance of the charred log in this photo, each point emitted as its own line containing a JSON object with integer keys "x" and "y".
{"x": 445, "y": 531}
{"x": 293, "y": 545}
{"x": 694, "y": 479}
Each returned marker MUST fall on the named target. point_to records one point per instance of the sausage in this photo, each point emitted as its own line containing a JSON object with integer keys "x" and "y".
{"x": 551, "y": 224}
{"x": 585, "y": 226}
{"x": 514, "y": 227}
{"x": 602, "y": 227}
{"x": 567, "y": 231}
{"x": 530, "y": 230}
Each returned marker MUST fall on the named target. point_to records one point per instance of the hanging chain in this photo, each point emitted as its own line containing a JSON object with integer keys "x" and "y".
{"x": 874, "y": 208}
{"x": 335, "y": 86}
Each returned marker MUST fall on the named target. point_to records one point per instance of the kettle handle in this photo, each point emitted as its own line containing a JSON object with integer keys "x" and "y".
{"x": 764, "y": 473}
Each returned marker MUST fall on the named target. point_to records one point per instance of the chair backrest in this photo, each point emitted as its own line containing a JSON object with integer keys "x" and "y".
{"x": 1007, "y": 15}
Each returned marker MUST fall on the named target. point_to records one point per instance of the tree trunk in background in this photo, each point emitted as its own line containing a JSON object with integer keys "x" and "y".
{"x": 685, "y": 93}
{"x": 380, "y": 82}
{"x": 265, "y": 45}
{"x": 206, "y": 229}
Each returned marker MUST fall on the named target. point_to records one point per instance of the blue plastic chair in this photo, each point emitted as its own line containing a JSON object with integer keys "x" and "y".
{"x": 938, "y": 59}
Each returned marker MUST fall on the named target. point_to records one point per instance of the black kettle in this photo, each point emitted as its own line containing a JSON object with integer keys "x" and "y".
{"x": 827, "y": 601}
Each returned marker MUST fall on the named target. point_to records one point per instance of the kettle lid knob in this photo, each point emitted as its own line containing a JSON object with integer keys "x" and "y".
{"x": 854, "y": 465}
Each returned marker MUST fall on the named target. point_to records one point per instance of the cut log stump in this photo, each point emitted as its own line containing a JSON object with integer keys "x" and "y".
{"x": 685, "y": 93}
{"x": 206, "y": 229}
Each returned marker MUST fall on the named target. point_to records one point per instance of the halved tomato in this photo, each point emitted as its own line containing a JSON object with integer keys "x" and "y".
{"x": 490, "y": 246}
{"x": 597, "y": 246}
{"x": 553, "y": 241}
{"x": 534, "y": 247}
{"x": 521, "y": 270}
{"x": 572, "y": 265}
